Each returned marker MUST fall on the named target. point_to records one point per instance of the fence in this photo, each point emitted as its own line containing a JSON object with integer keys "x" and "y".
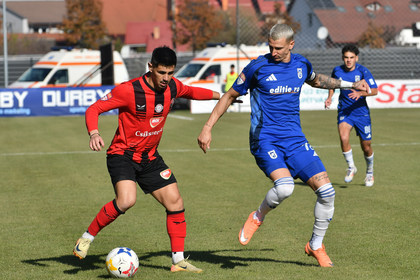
{"x": 385, "y": 64}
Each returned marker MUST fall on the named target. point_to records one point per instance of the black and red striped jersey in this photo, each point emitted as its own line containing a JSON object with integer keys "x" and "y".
{"x": 142, "y": 115}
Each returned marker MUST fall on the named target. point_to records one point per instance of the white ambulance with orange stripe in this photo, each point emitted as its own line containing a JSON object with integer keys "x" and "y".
{"x": 76, "y": 67}
{"x": 212, "y": 64}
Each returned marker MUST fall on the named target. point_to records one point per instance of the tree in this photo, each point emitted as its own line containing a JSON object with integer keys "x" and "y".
{"x": 83, "y": 25}
{"x": 376, "y": 36}
{"x": 278, "y": 17}
{"x": 197, "y": 23}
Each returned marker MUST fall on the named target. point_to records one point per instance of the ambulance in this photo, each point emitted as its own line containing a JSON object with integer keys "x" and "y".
{"x": 211, "y": 65}
{"x": 65, "y": 68}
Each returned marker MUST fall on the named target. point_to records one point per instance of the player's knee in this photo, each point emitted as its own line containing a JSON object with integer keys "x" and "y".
{"x": 326, "y": 194}
{"x": 282, "y": 189}
{"x": 125, "y": 203}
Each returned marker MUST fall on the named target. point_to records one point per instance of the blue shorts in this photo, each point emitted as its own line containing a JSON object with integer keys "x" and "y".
{"x": 302, "y": 162}
{"x": 361, "y": 123}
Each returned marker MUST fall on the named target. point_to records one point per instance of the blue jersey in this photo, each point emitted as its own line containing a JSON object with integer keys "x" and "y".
{"x": 275, "y": 89}
{"x": 346, "y": 105}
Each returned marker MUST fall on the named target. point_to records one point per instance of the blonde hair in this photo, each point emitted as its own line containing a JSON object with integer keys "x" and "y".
{"x": 281, "y": 30}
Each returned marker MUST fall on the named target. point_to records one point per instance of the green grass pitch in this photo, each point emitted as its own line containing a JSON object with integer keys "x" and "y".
{"x": 52, "y": 186}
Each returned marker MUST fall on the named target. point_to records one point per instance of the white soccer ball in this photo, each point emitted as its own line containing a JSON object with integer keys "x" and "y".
{"x": 122, "y": 262}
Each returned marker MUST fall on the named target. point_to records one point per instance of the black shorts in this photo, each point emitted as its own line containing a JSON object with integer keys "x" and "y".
{"x": 150, "y": 176}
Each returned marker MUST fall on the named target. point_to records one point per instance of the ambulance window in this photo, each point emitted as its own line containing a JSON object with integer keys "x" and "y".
{"x": 189, "y": 70}
{"x": 59, "y": 77}
{"x": 34, "y": 75}
{"x": 211, "y": 72}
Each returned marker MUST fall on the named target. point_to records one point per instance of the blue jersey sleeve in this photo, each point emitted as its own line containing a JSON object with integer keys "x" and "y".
{"x": 247, "y": 78}
{"x": 368, "y": 77}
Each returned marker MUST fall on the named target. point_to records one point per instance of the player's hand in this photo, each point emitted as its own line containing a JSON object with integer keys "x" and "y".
{"x": 355, "y": 94}
{"x": 362, "y": 85}
{"x": 96, "y": 143}
{"x": 327, "y": 104}
{"x": 204, "y": 139}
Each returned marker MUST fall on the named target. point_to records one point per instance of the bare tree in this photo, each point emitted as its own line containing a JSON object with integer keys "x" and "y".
{"x": 278, "y": 17}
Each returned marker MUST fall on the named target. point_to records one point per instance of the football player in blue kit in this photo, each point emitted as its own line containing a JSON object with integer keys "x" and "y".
{"x": 353, "y": 111}
{"x": 276, "y": 139}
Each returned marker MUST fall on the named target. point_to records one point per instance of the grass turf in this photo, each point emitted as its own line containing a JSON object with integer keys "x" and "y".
{"x": 52, "y": 186}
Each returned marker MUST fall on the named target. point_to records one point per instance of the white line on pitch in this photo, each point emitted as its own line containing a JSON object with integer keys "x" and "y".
{"x": 190, "y": 150}
{"x": 180, "y": 117}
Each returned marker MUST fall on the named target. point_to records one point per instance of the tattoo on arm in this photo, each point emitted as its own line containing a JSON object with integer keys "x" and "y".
{"x": 324, "y": 81}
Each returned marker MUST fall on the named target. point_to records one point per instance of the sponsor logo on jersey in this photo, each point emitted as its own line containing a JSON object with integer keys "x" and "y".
{"x": 166, "y": 174}
{"x": 272, "y": 154}
{"x": 299, "y": 73}
{"x": 107, "y": 97}
{"x": 155, "y": 121}
{"x": 357, "y": 78}
{"x": 141, "y": 107}
{"x": 241, "y": 79}
{"x": 284, "y": 89}
{"x": 139, "y": 133}
{"x": 158, "y": 108}
{"x": 271, "y": 78}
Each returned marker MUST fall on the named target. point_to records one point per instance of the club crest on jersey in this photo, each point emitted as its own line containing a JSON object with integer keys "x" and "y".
{"x": 357, "y": 78}
{"x": 166, "y": 174}
{"x": 158, "y": 108}
{"x": 299, "y": 73}
{"x": 241, "y": 79}
{"x": 272, "y": 154}
{"x": 155, "y": 121}
{"x": 106, "y": 97}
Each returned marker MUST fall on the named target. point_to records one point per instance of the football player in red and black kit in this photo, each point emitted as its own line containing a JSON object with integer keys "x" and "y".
{"x": 144, "y": 104}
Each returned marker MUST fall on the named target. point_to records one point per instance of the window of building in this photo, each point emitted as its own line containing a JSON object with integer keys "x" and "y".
{"x": 373, "y": 7}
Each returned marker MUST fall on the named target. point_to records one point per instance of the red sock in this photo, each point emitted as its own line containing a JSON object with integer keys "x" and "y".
{"x": 177, "y": 230}
{"x": 106, "y": 215}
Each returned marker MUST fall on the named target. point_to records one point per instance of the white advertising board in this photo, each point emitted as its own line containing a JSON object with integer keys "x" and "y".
{"x": 391, "y": 94}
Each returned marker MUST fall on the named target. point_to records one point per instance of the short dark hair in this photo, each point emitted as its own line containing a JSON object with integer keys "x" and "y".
{"x": 350, "y": 48}
{"x": 163, "y": 56}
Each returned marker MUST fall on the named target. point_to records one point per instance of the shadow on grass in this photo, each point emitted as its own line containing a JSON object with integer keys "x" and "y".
{"x": 225, "y": 258}
{"x": 92, "y": 262}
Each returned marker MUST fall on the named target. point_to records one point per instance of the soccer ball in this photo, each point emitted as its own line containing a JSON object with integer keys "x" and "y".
{"x": 122, "y": 262}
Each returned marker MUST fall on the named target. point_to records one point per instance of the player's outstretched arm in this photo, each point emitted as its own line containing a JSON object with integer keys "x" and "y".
{"x": 204, "y": 139}
{"x": 327, "y": 82}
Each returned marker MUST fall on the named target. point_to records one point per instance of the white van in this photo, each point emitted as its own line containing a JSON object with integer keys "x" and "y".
{"x": 212, "y": 64}
{"x": 76, "y": 67}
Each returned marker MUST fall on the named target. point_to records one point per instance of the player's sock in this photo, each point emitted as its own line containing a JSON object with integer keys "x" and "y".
{"x": 106, "y": 215}
{"x": 177, "y": 230}
{"x": 88, "y": 236}
{"x": 177, "y": 257}
{"x": 282, "y": 189}
{"x": 348, "y": 156}
{"x": 323, "y": 212}
{"x": 369, "y": 164}
{"x": 316, "y": 241}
